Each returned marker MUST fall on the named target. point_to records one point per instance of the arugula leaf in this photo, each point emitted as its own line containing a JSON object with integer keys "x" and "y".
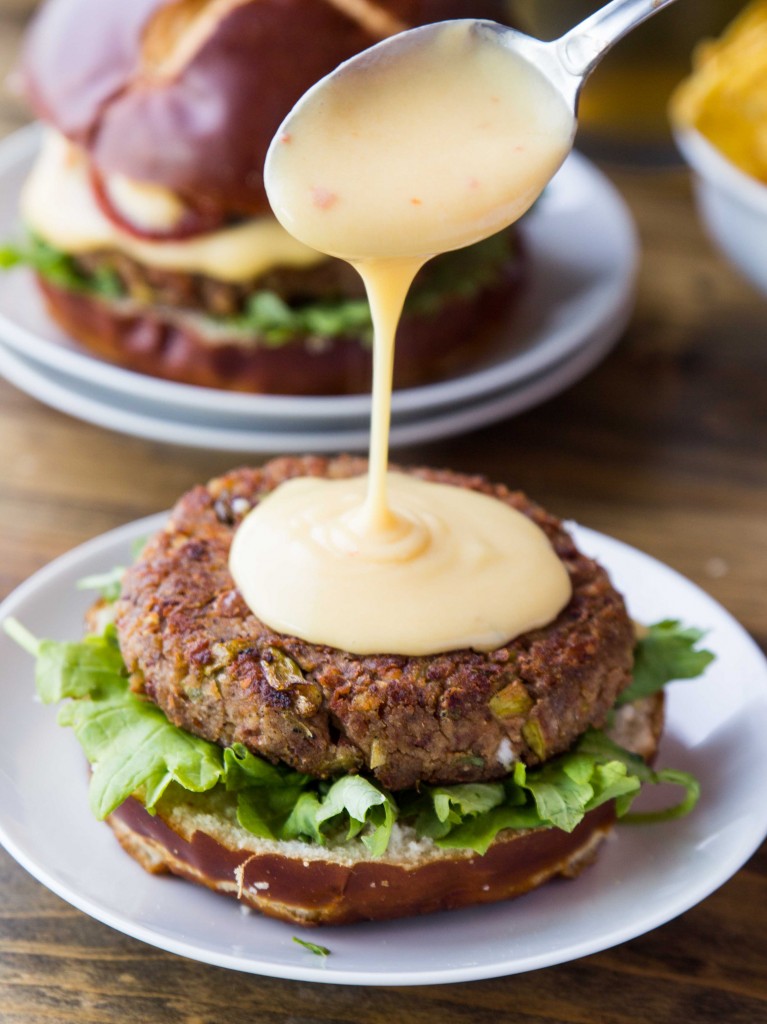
{"x": 667, "y": 651}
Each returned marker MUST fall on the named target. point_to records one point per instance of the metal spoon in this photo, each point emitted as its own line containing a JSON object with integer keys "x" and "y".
{"x": 568, "y": 61}
{"x": 339, "y": 139}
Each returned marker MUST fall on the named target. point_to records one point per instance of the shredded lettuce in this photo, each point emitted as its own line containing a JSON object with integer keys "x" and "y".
{"x": 134, "y": 750}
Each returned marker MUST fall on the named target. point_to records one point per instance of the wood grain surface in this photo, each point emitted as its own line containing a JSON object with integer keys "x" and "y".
{"x": 663, "y": 446}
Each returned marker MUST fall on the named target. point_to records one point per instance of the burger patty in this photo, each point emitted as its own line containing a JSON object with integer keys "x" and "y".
{"x": 466, "y": 271}
{"x": 184, "y": 290}
{"x": 193, "y": 647}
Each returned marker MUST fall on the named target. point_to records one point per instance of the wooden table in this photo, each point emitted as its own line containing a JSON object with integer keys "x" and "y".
{"x": 663, "y": 446}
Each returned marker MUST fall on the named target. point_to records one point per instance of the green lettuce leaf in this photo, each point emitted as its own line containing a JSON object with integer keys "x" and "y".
{"x": 668, "y": 651}
{"x": 351, "y": 806}
{"x": 132, "y": 747}
{"x": 59, "y": 268}
{"x": 555, "y": 795}
{"x": 477, "y": 833}
{"x": 129, "y": 742}
{"x": 267, "y": 794}
{"x": 358, "y": 805}
{"x": 91, "y": 668}
{"x": 268, "y": 812}
{"x": 457, "y": 274}
{"x": 108, "y": 584}
{"x": 438, "y": 810}
{"x": 303, "y": 820}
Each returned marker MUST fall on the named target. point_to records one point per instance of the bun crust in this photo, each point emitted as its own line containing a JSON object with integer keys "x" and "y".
{"x": 308, "y": 884}
{"x": 153, "y": 342}
{"x": 332, "y": 890}
{"x": 188, "y": 93}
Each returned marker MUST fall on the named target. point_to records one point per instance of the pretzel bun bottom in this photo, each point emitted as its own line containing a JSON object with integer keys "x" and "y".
{"x": 197, "y": 836}
{"x": 313, "y": 885}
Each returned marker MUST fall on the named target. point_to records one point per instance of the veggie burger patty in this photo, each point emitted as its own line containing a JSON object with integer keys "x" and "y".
{"x": 193, "y": 647}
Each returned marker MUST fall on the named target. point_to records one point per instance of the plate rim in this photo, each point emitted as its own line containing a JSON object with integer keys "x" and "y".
{"x": 325, "y": 972}
{"x": 42, "y": 384}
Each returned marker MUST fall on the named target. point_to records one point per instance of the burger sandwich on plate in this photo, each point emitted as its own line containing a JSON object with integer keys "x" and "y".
{"x": 323, "y": 787}
{"x": 147, "y": 222}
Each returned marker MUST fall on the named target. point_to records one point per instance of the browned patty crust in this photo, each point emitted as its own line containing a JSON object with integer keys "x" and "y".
{"x": 194, "y": 648}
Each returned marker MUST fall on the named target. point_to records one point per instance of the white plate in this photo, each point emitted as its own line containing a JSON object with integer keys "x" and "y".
{"x": 119, "y": 412}
{"x": 645, "y": 876}
{"x": 582, "y": 253}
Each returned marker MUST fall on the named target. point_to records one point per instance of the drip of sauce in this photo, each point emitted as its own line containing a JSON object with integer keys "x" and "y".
{"x": 429, "y": 148}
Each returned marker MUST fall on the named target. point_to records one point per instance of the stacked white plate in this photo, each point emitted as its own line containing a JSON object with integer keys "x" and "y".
{"x": 582, "y": 257}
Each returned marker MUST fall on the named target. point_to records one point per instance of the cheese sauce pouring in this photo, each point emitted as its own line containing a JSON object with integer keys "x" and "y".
{"x": 405, "y": 153}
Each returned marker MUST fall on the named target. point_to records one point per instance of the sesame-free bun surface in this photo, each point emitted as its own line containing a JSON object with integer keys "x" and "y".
{"x": 188, "y": 93}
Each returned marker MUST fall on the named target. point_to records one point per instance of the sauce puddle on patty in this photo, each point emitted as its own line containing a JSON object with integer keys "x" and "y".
{"x": 390, "y": 161}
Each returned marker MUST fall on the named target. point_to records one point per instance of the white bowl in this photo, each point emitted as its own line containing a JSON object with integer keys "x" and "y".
{"x": 733, "y": 205}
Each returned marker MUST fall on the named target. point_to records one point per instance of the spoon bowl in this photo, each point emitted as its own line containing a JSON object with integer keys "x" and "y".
{"x": 442, "y": 135}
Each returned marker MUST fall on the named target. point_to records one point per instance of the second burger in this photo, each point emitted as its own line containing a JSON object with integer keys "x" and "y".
{"x": 149, "y": 229}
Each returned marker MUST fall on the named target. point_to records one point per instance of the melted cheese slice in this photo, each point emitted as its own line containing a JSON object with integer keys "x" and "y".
{"x": 58, "y": 204}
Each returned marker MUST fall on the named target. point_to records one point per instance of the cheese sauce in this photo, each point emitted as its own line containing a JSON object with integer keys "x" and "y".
{"x": 432, "y": 147}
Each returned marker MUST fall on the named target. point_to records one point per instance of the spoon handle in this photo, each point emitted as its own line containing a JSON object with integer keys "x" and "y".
{"x": 580, "y": 49}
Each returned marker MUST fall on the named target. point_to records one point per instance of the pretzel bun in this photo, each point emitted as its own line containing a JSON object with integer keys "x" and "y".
{"x": 196, "y": 838}
{"x": 188, "y": 93}
{"x": 159, "y": 114}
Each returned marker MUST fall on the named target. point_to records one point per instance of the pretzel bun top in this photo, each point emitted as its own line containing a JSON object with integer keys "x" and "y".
{"x": 188, "y": 93}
